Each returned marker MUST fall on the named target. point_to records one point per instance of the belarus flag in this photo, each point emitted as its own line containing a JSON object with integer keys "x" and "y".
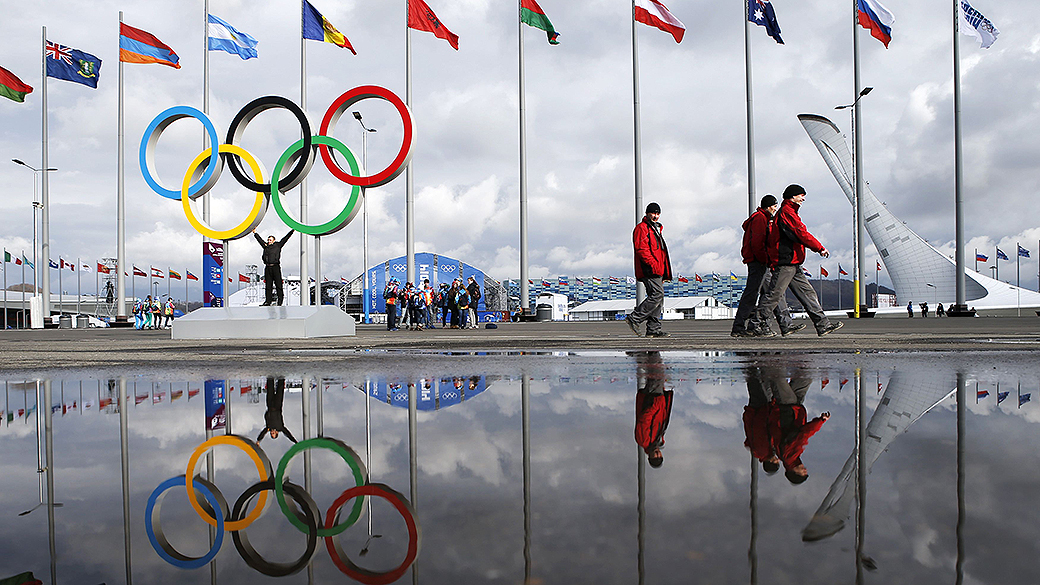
{"x": 876, "y": 18}
{"x": 655, "y": 14}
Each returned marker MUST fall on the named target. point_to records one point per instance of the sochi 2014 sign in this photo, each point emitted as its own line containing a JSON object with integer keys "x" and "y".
{"x": 289, "y": 171}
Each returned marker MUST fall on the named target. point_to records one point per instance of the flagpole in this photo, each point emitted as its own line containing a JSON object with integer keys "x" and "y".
{"x": 409, "y": 196}
{"x": 305, "y": 296}
{"x": 5, "y": 289}
{"x": 1018, "y": 276}
{"x": 79, "y": 283}
{"x": 524, "y": 288}
{"x": 961, "y": 308}
{"x": 45, "y": 232}
{"x": 23, "y": 288}
{"x": 750, "y": 109}
{"x": 640, "y": 291}
{"x": 185, "y": 291}
{"x": 839, "y": 287}
{"x": 61, "y": 268}
{"x": 860, "y": 289}
{"x": 120, "y": 203}
{"x": 996, "y": 263}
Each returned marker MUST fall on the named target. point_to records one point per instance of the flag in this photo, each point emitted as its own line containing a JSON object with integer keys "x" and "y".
{"x": 823, "y": 271}
{"x": 139, "y": 272}
{"x": 1001, "y": 255}
{"x": 683, "y": 279}
{"x": 191, "y": 276}
{"x": 103, "y": 269}
{"x": 562, "y": 280}
{"x": 842, "y": 382}
{"x": 156, "y": 273}
{"x": 1001, "y": 396}
{"x": 174, "y": 275}
{"x": 597, "y": 280}
{"x": 11, "y": 87}
{"x": 732, "y": 276}
{"x": 531, "y": 13}
{"x": 980, "y": 394}
{"x": 806, "y": 272}
{"x": 842, "y": 272}
{"x": 1024, "y": 398}
{"x": 614, "y": 280}
{"x": 318, "y": 28}
{"x": 655, "y": 14}
{"x": 824, "y": 382}
{"x": 877, "y": 19}
{"x": 715, "y": 277}
{"x": 697, "y": 277}
{"x": 26, "y": 261}
{"x": 973, "y": 24}
{"x": 72, "y": 65}
{"x": 530, "y": 281}
{"x": 578, "y": 280}
{"x": 878, "y": 265}
{"x": 420, "y": 17}
{"x": 981, "y": 257}
{"x": 7, "y": 256}
{"x": 138, "y": 46}
{"x": 84, "y": 267}
{"x": 242, "y": 277}
{"x": 53, "y": 264}
{"x": 630, "y": 279}
{"x": 224, "y": 37}
{"x": 761, "y": 13}
{"x": 65, "y": 264}
{"x": 545, "y": 282}
{"x": 1022, "y": 251}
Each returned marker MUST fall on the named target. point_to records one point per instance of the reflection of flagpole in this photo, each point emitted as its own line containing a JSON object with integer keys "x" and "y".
{"x": 413, "y": 452}
{"x": 752, "y": 547}
{"x": 524, "y": 289}
{"x": 641, "y": 513}
{"x": 124, "y": 460}
{"x": 961, "y": 443}
{"x": 640, "y": 290}
{"x": 79, "y": 291}
{"x": 861, "y": 471}
{"x": 525, "y": 416}
{"x": 750, "y": 109}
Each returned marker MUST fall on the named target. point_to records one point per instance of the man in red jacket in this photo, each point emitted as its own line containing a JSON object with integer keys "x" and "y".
{"x": 787, "y": 243}
{"x": 653, "y": 406}
{"x": 652, "y": 268}
{"x": 755, "y": 252}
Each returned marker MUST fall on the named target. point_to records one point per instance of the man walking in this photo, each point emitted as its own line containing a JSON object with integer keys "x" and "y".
{"x": 755, "y": 251}
{"x": 787, "y": 242}
{"x": 272, "y": 267}
{"x": 652, "y": 268}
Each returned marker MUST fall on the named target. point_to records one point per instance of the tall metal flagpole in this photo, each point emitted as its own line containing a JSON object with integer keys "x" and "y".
{"x": 750, "y": 109}
{"x": 409, "y": 195}
{"x": 861, "y": 283}
{"x": 45, "y": 230}
{"x": 640, "y": 290}
{"x": 524, "y": 286}
{"x": 120, "y": 208}
{"x": 961, "y": 308}
{"x": 79, "y": 289}
{"x": 305, "y": 296}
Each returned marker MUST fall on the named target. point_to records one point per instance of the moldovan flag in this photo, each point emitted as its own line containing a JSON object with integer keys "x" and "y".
{"x": 420, "y": 17}
{"x": 655, "y": 14}
{"x": 137, "y": 46}
{"x": 318, "y": 28}
{"x": 531, "y": 13}
{"x": 11, "y": 87}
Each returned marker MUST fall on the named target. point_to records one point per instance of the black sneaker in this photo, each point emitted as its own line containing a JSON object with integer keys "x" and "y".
{"x": 834, "y": 326}
{"x": 657, "y": 334}
{"x": 632, "y": 325}
{"x": 795, "y": 327}
{"x": 764, "y": 333}
{"x": 743, "y": 333}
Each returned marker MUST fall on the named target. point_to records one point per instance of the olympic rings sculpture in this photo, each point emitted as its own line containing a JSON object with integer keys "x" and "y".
{"x": 292, "y": 166}
{"x": 208, "y": 501}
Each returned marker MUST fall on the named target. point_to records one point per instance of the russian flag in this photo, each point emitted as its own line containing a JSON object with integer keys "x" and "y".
{"x": 876, "y": 18}
{"x": 981, "y": 257}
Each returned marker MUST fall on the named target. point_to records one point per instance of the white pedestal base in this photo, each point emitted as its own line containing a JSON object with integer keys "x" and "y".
{"x": 263, "y": 323}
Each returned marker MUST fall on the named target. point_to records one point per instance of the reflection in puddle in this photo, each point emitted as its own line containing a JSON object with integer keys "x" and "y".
{"x": 522, "y": 467}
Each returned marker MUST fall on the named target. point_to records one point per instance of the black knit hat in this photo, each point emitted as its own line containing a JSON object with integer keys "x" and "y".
{"x": 768, "y": 201}
{"x": 653, "y": 208}
{"x": 793, "y": 190}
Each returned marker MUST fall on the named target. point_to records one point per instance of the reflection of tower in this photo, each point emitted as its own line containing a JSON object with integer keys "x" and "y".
{"x": 106, "y": 296}
{"x": 917, "y": 269}
{"x": 907, "y": 398}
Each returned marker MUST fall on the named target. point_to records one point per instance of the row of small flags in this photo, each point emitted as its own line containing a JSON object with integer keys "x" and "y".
{"x": 138, "y": 46}
{"x": 1022, "y": 253}
{"x": 62, "y": 264}
{"x": 981, "y": 394}
{"x": 596, "y": 280}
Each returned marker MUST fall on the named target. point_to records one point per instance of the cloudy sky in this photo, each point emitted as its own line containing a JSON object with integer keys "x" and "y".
{"x": 580, "y": 154}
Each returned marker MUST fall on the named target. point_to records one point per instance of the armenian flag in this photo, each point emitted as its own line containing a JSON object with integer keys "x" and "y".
{"x": 138, "y": 46}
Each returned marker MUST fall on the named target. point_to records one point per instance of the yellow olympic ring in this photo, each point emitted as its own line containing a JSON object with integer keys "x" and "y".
{"x": 263, "y": 468}
{"x": 256, "y": 214}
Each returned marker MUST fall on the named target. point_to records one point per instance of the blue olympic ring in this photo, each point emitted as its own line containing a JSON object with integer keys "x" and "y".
{"x": 151, "y": 138}
{"x": 159, "y": 542}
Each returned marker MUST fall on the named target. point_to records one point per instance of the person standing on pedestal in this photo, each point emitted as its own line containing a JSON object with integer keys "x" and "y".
{"x": 272, "y": 267}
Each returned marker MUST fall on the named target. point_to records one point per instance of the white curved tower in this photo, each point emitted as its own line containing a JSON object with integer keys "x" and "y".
{"x": 912, "y": 263}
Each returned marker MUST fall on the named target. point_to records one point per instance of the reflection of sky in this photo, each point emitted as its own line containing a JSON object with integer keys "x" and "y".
{"x": 584, "y": 462}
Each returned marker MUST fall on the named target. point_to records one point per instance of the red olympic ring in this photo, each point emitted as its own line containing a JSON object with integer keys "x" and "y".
{"x": 340, "y": 559}
{"x": 341, "y": 105}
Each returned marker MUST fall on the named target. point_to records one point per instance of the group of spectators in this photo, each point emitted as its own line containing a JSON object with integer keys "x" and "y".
{"x": 457, "y": 305}
{"x": 153, "y": 313}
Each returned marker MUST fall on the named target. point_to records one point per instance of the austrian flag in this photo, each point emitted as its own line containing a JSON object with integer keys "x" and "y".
{"x": 655, "y": 14}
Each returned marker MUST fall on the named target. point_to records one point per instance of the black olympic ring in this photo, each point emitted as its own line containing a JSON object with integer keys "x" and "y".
{"x": 238, "y": 127}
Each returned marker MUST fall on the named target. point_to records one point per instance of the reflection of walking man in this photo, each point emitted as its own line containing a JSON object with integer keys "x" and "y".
{"x": 272, "y": 267}
{"x": 653, "y": 406}
{"x": 789, "y": 421}
{"x": 652, "y": 268}
{"x": 273, "y": 417}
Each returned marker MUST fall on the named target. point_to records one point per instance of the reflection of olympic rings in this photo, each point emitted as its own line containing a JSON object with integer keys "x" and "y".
{"x": 210, "y": 504}
{"x": 299, "y": 157}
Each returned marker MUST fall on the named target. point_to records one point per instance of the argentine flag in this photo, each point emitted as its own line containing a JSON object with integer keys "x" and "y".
{"x": 224, "y": 37}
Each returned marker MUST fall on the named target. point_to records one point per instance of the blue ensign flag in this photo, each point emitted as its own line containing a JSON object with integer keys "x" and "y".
{"x": 761, "y": 13}
{"x": 1001, "y": 255}
{"x": 1022, "y": 251}
{"x": 72, "y": 65}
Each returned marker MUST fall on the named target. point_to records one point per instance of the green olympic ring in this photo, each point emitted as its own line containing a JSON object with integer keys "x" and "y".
{"x": 357, "y": 194}
{"x": 347, "y": 454}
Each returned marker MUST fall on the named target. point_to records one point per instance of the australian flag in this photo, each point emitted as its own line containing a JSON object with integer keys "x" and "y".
{"x": 72, "y": 65}
{"x": 761, "y": 13}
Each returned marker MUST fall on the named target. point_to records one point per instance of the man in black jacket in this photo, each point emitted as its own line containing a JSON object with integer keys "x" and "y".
{"x": 273, "y": 421}
{"x": 272, "y": 267}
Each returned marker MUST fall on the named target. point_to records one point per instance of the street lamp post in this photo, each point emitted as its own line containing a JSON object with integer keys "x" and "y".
{"x": 37, "y": 207}
{"x": 932, "y": 286}
{"x": 364, "y": 215}
{"x": 857, "y": 214}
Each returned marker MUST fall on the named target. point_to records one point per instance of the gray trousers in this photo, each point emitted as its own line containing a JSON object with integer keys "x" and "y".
{"x": 652, "y": 307}
{"x": 758, "y": 277}
{"x": 785, "y": 277}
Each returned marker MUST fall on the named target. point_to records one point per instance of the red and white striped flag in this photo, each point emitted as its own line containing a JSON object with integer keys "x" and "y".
{"x": 655, "y": 14}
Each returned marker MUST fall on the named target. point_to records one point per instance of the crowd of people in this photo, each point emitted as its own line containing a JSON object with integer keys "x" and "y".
{"x": 419, "y": 306}
{"x": 153, "y": 313}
